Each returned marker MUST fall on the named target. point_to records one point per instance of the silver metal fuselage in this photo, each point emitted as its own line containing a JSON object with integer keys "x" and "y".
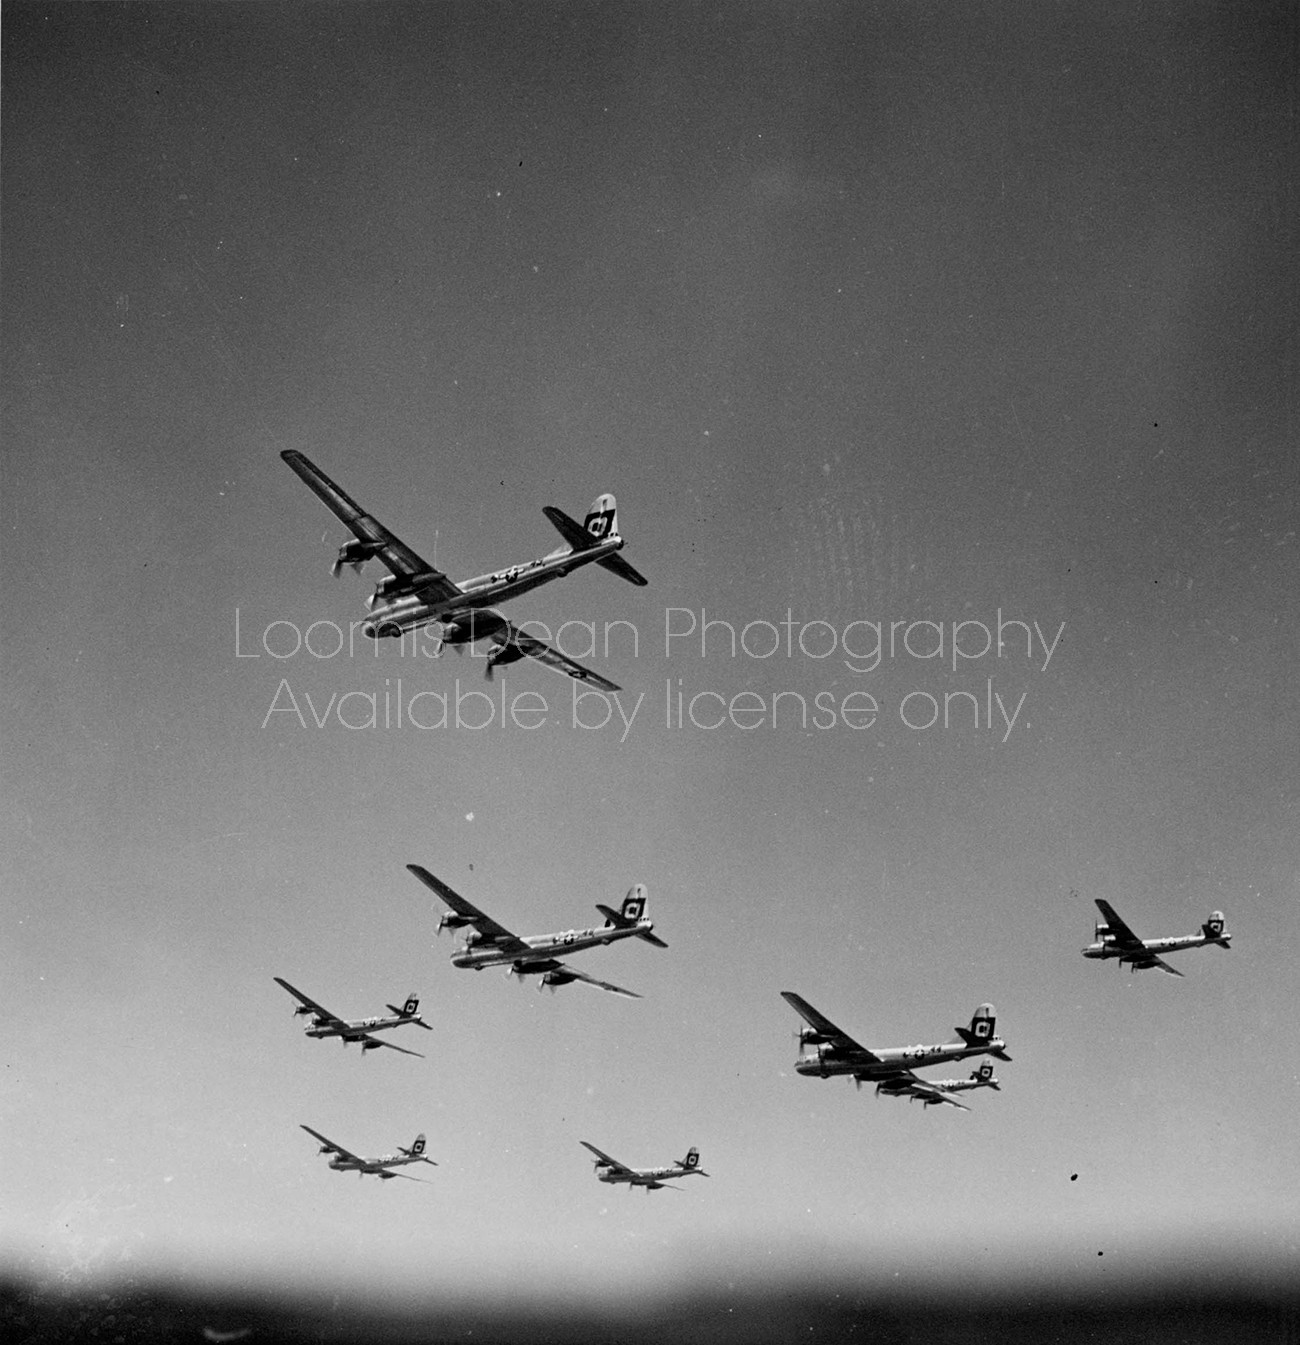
{"x": 374, "y": 1166}
{"x": 356, "y": 1027}
{"x": 543, "y": 947}
{"x": 410, "y": 611}
{"x": 643, "y": 1176}
{"x": 1106, "y": 949}
{"x": 890, "y": 1060}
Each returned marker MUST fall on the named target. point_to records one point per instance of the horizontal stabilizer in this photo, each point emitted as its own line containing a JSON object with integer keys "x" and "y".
{"x": 570, "y": 529}
{"x": 621, "y": 568}
{"x": 651, "y": 938}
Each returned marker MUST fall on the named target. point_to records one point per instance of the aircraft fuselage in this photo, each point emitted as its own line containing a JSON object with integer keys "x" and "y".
{"x": 643, "y": 1176}
{"x": 890, "y": 1060}
{"x": 374, "y": 1166}
{"x": 1105, "y": 948}
{"x": 406, "y": 611}
{"x": 356, "y": 1027}
{"x": 543, "y": 947}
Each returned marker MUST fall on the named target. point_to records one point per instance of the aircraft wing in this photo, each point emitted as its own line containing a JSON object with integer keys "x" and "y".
{"x": 333, "y": 1148}
{"x": 1123, "y": 935}
{"x": 552, "y": 658}
{"x": 379, "y": 1041}
{"x": 1154, "y": 961}
{"x": 606, "y": 1159}
{"x": 327, "y": 1018}
{"x": 488, "y": 929}
{"x": 835, "y": 1036}
{"x": 573, "y": 974}
{"x": 374, "y": 540}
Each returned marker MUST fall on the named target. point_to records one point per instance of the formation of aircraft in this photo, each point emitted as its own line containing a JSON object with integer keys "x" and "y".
{"x": 1113, "y": 938}
{"x": 653, "y": 1179}
{"x": 890, "y": 1067}
{"x": 932, "y": 1092}
{"x": 489, "y": 944}
{"x": 343, "y": 1160}
{"x": 326, "y": 1024}
{"x": 415, "y": 594}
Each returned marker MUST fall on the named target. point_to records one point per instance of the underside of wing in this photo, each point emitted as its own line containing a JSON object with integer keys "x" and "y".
{"x": 319, "y": 1010}
{"x": 392, "y": 1046}
{"x": 1153, "y": 961}
{"x": 1121, "y": 934}
{"x": 330, "y": 1147}
{"x": 372, "y": 541}
{"x": 552, "y": 658}
{"x": 488, "y": 929}
{"x": 605, "y": 1159}
{"x": 560, "y": 973}
{"x": 834, "y": 1036}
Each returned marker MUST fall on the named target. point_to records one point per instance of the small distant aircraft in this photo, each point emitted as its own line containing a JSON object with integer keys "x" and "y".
{"x": 416, "y": 594}
{"x": 326, "y": 1024}
{"x": 653, "y": 1179}
{"x": 1115, "y": 939}
{"x": 835, "y": 1052}
{"x": 931, "y": 1092}
{"x": 492, "y": 945}
{"x": 345, "y": 1161}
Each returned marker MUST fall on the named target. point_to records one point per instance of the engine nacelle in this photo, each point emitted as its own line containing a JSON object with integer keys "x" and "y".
{"x": 370, "y": 1046}
{"x": 810, "y": 1036}
{"x": 554, "y": 978}
{"x": 384, "y": 590}
{"x": 355, "y": 553}
{"x": 473, "y": 626}
{"x": 501, "y": 654}
{"x": 454, "y": 921}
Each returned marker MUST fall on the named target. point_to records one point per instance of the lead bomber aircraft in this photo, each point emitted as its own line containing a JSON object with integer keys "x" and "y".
{"x": 416, "y": 594}
{"x": 492, "y": 945}
{"x": 1115, "y": 939}
{"x": 343, "y": 1160}
{"x": 327, "y": 1024}
{"x": 653, "y": 1179}
{"x": 890, "y": 1068}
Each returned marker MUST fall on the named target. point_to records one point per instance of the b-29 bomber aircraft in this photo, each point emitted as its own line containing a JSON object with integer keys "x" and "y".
{"x": 492, "y": 945}
{"x": 932, "y": 1092}
{"x": 342, "y": 1160}
{"x": 653, "y": 1179}
{"x": 416, "y": 594}
{"x": 326, "y": 1024}
{"x": 835, "y": 1052}
{"x": 1113, "y": 938}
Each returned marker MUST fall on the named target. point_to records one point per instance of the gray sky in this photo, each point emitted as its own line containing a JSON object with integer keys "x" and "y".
{"x": 890, "y": 314}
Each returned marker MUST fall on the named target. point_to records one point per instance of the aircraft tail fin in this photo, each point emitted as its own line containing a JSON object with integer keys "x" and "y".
{"x": 410, "y": 1006}
{"x": 984, "y": 1075}
{"x": 600, "y": 522}
{"x": 692, "y": 1162}
{"x": 1213, "y": 930}
{"x": 632, "y": 910}
{"x": 417, "y": 1149}
{"x": 981, "y": 1029}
